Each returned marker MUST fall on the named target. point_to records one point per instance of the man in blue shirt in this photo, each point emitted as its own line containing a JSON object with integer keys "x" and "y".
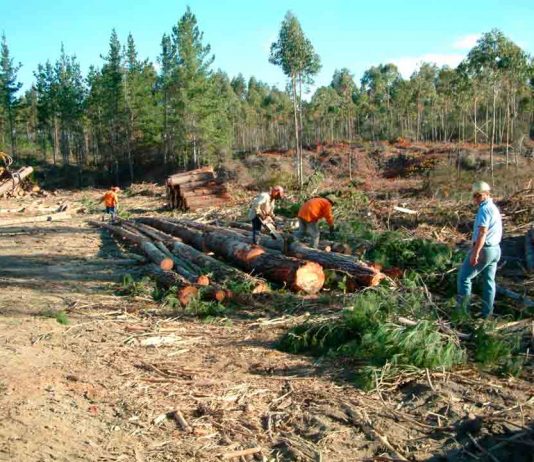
{"x": 485, "y": 253}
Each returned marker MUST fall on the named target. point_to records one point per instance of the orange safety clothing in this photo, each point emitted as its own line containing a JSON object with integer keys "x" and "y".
{"x": 315, "y": 209}
{"x": 110, "y": 199}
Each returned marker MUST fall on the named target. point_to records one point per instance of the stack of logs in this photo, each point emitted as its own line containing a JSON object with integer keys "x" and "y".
{"x": 10, "y": 182}
{"x": 180, "y": 246}
{"x": 196, "y": 189}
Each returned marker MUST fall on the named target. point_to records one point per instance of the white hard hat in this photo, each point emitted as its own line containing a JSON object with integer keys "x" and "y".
{"x": 480, "y": 187}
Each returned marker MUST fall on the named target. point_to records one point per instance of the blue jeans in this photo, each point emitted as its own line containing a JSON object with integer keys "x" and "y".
{"x": 311, "y": 229}
{"x": 487, "y": 268}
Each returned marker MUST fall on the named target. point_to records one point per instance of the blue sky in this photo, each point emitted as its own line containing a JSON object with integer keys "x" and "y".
{"x": 346, "y": 33}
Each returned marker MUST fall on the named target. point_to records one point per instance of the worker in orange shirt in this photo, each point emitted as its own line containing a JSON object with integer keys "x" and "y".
{"x": 311, "y": 212}
{"x": 111, "y": 201}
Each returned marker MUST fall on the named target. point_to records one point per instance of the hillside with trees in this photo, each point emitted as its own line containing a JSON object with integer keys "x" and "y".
{"x": 179, "y": 111}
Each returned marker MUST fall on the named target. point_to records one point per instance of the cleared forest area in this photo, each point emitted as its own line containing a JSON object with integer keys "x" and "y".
{"x": 106, "y": 360}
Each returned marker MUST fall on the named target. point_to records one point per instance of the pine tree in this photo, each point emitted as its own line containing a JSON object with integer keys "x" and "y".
{"x": 197, "y": 107}
{"x": 8, "y": 90}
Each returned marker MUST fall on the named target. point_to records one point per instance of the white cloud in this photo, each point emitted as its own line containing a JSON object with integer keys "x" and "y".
{"x": 466, "y": 42}
{"x": 408, "y": 64}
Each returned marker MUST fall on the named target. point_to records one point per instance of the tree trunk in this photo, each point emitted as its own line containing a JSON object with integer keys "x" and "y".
{"x": 493, "y": 135}
{"x": 220, "y": 271}
{"x": 360, "y": 273}
{"x": 297, "y": 275}
{"x": 297, "y": 142}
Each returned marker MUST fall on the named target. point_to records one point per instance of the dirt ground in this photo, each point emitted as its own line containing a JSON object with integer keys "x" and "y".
{"x": 95, "y": 389}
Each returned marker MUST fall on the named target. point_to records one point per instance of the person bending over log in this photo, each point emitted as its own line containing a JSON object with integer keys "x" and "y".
{"x": 309, "y": 215}
{"x": 111, "y": 201}
{"x": 261, "y": 210}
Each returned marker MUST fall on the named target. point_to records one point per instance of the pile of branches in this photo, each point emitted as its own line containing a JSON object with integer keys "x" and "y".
{"x": 196, "y": 189}
{"x": 176, "y": 252}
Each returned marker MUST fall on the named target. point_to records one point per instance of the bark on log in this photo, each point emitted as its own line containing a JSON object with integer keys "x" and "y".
{"x": 221, "y": 272}
{"x": 52, "y": 217}
{"x": 360, "y": 273}
{"x": 186, "y": 290}
{"x": 529, "y": 250}
{"x": 13, "y": 182}
{"x": 190, "y": 173}
{"x": 327, "y": 246}
{"x": 298, "y": 275}
{"x": 204, "y": 190}
{"x": 199, "y": 184}
{"x": 524, "y": 300}
{"x": 202, "y": 176}
{"x": 205, "y": 201}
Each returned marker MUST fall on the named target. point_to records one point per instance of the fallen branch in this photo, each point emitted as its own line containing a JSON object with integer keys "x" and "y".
{"x": 240, "y": 453}
{"x": 23, "y": 220}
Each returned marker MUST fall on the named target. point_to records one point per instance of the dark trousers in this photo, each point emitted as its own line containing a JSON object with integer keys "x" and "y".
{"x": 256, "y": 230}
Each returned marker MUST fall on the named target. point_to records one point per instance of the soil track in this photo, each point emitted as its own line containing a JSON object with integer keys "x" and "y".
{"x": 95, "y": 390}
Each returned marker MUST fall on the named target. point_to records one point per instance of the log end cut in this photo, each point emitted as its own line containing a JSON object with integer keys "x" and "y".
{"x": 187, "y": 294}
{"x": 166, "y": 264}
{"x": 309, "y": 278}
{"x": 203, "y": 280}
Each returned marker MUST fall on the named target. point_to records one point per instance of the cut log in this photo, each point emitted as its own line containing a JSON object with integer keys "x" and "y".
{"x": 205, "y": 201}
{"x": 202, "y": 176}
{"x": 296, "y": 274}
{"x": 187, "y": 290}
{"x": 220, "y": 271}
{"x": 200, "y": 184}
{"x": 360, "y": 273}
{"x": 12, "y": 183}
{"x": 203, "y": 190}
{"x": 523, "y": 300}
{"x": 327, "y": 246}
{"x": 529, "y": 250}
{"x": 148, "y": 248}
{"x": 23, "y": 220}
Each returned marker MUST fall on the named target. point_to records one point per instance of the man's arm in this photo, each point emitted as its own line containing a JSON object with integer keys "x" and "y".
{"x": 477, "y": 247}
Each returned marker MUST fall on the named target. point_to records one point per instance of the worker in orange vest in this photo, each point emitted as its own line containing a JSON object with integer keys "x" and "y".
{"x": 309, "y": 215}
{"x": 111, "y": 201}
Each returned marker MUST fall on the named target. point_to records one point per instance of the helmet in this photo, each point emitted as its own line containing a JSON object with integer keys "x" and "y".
{"x": 480, "y": 187}
{"x": 331, "y": 198}
{"x": 277, "y": 190}
{"x": 115, "y": 188}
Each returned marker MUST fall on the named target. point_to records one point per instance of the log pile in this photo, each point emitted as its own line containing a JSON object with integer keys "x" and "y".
{"x": 196, "y": 189}
{"x": 178, "y": 252}
{"x": 10, "y": 183}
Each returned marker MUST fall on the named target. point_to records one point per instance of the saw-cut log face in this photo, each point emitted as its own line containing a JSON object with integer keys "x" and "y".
{"x": 310, "y": 278}
{"x": 249, "y": 254}
{"x": 203, "y": 280}
{"x": 166, "y": 264}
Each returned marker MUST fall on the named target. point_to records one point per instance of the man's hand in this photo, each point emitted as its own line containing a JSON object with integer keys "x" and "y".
{"x": 474, "y": 258}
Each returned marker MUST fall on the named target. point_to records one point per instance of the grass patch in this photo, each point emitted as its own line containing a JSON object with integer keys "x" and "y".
{"x": 133, "y": 288}
{"x": 497, "y": 352}
{"x": 59, "y": 315}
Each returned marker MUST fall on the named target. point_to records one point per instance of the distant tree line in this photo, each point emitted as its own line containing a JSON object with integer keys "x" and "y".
{"x": 129, "y": 113}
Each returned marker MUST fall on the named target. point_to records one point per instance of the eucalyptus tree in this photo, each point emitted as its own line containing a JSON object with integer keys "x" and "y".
{"x": 294, "y": 53}
{"x": 495, "y": 60}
